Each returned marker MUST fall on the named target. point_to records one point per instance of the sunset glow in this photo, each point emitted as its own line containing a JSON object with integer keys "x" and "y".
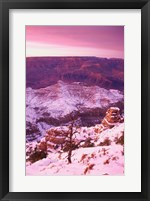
{"x": 100, "y": 41}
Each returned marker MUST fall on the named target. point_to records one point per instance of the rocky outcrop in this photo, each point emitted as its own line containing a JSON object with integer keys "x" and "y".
{"x": 112, "y": 117}
{"x": 42, "y": 146}
{"x": 55, "y": 138}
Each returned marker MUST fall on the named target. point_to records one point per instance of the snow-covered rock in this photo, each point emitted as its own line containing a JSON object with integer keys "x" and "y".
{"x": 102, "y": 159}
{"x": 112, "y": 117}
{"x": 51, "y": 106}
{"x": 63, "y": 98}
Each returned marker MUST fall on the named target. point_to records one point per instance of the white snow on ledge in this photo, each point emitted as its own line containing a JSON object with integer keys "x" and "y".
{"x": 98, "y": 160}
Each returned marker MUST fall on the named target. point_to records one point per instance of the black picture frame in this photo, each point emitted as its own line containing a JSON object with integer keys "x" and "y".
{"x": 5, "y": 5}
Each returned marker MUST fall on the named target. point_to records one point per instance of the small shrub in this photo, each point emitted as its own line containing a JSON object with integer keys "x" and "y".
{"x": 107, "y": 161}
{"x": 104, "y": 151}
{"x": 93, "y": 155}
{"x": 90, "y": 167}
{"x": 120, "y": 140}
{"x": 114, "y": 158}
{"x": 36, "y": 156}
{"x": 83, "y": 157}
{"x": 106, "y": 142}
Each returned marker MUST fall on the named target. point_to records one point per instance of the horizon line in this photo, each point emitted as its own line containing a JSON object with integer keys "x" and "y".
{"x": 74, "y": 56}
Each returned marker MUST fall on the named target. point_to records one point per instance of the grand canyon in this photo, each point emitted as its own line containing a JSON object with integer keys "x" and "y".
{"x": 74, "y": 116}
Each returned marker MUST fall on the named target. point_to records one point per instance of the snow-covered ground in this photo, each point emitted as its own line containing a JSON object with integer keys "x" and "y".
{"x": 102, "y": 159}
{"x": 62, "y": 98}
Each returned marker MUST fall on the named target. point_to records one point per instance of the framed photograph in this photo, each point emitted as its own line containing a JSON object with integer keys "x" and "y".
{"x": 74, "y": 100}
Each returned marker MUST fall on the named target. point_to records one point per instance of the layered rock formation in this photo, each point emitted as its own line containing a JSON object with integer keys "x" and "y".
{"x": 87, "y": 104}
{"x": 112, "y": 117}
{"x": 55, "y": 138}
{"x": 45, "y": 71}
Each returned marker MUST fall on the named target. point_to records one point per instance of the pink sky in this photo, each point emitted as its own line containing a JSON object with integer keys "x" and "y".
{"x": 100, "y": 41}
